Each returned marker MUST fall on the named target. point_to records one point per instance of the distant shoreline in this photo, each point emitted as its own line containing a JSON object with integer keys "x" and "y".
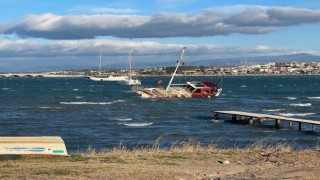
{"x": 30, "y": 75}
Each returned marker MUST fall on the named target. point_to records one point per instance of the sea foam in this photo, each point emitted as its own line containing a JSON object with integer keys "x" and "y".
{"x": 301, "y": 104}
{"x": 273, "y": 110}
{"x": 86, "y": 103}
{"x": 47, "y": 107}
{"x": 296, "y": 114}
{"x": 122, "y": 119}
{"x": 291, "y": 98}
{"x": 137, "y": 124}
{"x": 313, "y": 97}
{"x": 91, "y": 103}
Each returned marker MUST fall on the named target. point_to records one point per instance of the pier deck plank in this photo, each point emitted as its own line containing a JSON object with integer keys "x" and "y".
{"x": 266, "y": 116}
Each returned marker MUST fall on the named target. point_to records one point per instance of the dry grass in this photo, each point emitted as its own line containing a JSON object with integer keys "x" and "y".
{"x": 182, "y": 161}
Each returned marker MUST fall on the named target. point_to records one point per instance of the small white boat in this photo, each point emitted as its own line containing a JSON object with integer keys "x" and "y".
{"x": 31, "y": 146}
{"x": 111, "y": 77}
{"x": 130, "y": 81}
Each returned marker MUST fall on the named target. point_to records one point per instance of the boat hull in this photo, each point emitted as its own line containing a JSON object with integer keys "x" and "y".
{"x": 32, "y": 146}
{"x": 109, "y": 78}
{"x": 174, "y": 92}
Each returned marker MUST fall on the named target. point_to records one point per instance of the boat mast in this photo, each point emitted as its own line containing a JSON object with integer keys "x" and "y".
{"x": 175, "y": 71}
{"x": 100, "y": 62}
{"x": 129, "y": 59}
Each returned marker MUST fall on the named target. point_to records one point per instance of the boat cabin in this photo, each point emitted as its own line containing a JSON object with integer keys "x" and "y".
{"x": 200, "y": 89}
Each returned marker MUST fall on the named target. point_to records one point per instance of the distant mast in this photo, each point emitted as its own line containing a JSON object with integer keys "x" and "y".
{"x": 100, "y": 61}
{"x": 129, "y": 59}
{"x": 175, "y": 71}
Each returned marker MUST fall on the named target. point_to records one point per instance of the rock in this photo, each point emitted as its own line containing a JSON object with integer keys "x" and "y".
{"x": 226, "y": 162}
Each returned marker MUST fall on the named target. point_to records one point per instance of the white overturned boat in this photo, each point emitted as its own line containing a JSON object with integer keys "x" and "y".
{"x": 32, "y": 146}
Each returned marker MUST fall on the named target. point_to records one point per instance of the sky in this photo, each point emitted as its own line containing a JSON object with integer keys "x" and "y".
{"x": 39, "y": 35}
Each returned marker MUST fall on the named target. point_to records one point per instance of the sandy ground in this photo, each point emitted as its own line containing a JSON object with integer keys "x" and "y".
{"x": 183, "y": 163}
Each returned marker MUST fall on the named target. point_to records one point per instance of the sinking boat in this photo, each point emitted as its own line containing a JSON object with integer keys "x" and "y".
{"x": 193, "y": 89}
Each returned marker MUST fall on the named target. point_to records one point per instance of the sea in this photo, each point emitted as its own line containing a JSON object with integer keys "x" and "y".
{"x": 106, "y": 115}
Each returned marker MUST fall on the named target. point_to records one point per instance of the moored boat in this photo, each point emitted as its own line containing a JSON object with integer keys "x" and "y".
{"x": 110, "y": 77}
{"x": 130, "y": 81}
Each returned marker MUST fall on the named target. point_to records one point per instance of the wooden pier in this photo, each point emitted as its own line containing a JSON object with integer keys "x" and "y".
{"x": 262, "y": 117}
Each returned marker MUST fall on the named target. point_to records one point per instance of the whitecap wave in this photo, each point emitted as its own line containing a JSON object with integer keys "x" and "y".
{"x": 138, "y": 124}
{"x": 78, "y": 97}
{"x": 291, "y": 98}
{"x": 44, "y": 107}
{"x": 75, "y": 89}
{"x": 91, "y": 103}
{"x": 122, "y": 119}
{"x": 47, "y": 107}
{"x": 296, "y": 114}
{"x": 6, "y": 89}
{"x": 313, "y": 97}
{"x": 273, "y": 110}
{"x": 86, "y": 103}
{"x": 301, "y": 104}
{"x": 243, "y": 86}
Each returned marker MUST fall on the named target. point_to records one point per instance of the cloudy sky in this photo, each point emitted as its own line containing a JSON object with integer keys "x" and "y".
{"x": 39, "y": 35}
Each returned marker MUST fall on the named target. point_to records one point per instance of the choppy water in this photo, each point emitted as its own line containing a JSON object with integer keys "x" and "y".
{"x": 105, "y": 114}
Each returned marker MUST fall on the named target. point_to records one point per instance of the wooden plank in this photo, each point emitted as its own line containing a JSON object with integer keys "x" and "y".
{"x": 248, "y": 114}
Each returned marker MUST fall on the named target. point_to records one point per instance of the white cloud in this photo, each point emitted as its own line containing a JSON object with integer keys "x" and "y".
{"x": 23, "y": 48}
{"x": 210, "y": 22}
{"x": 262, "y": 47}
{"x": 24, "y": 55}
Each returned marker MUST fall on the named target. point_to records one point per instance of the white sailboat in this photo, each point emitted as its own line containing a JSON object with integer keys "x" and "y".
{"x": 111, "y": 77}
{"x": 130, "y": 80}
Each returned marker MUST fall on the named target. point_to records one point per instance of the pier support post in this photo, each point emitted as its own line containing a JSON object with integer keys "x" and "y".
{"x": 241, "y": 117}
{"x": 261, "y": 120}
{"x": 299, "y": 126}
{"x": 216, "y": 116}
{"x": 290, "y": 124}
{"x": 277, "y": 122}
{"x": 313, "y": 127}
{"x": 250, "y": 121}
{"x": 234, "y": 118}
